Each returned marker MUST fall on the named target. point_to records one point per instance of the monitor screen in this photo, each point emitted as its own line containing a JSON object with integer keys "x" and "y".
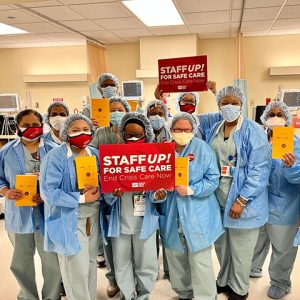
{"x": 133, "y": 90}
{"x": 291, "y": 99}
{"x": 9, "y": 103}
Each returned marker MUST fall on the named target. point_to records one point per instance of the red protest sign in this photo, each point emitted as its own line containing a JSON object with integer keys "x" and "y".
{"x": 183, "y": 74}
{"x": 140, "y": 167}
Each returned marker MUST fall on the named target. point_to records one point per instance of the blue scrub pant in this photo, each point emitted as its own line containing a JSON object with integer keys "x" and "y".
{"x": 79, "y": 271}
{"x": 234, "y": 250}
{"x": 22, "y": 266}
{"x": 129, "y": 248}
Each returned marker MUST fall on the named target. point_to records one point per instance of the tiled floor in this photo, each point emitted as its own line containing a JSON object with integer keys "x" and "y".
{"x": 162, "y": 289}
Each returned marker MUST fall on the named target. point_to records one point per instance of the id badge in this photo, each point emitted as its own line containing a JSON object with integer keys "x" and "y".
{"x": 139, "y": 205}
{"x": 227, "y": 171}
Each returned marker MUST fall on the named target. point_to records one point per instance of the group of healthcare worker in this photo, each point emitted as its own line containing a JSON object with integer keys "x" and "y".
{"x": 237, "y": 198}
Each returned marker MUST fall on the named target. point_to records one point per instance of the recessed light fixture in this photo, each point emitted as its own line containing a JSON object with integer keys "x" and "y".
{"x": 6, "y": 29}
{"x": 155, "y": 12}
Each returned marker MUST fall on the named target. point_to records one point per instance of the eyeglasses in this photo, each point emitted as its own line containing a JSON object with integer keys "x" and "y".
{"x": 129, "y": 135}
{"x": 233, "y": 103}
{"x": 187, "y": 101}
{"x": 108, "y": 84}
{"x": 279, "y": 115}
{"x": 179, "y": 130}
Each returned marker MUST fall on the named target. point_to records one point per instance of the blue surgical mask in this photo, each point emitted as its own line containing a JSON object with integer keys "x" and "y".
{"x": 109, "y": 91}
{"x": 116, "y": 117}
{"x": 230, "y": 112}
{"x": 157, "y": 122}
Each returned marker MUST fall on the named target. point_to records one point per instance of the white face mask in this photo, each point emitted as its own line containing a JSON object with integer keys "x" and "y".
{"x": 275, "y": 121}
{"x": 182, "y": 138}
{"x": 57, "y": 122}
{"x": 230, "y": 112}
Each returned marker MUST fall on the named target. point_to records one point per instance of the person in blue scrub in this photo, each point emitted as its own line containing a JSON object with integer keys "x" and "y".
{"x": 25, "y": 224}
{"x": 190, "y": 218}
{"x": 57, "y": 114}
{"x": 187, "y": 102}
{"x": 157, "y": 112}
{"x": 136, "y": 269}
{"x": 103, "y": 136}
{"x": 108, "y": 86}
{"x": 283, "y": 196}
{"x": 72, "y": 225}
{"x": 242, "y": 152}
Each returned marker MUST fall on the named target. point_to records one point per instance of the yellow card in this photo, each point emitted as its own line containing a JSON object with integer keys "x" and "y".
{"x": 100, "y": 111}
{"x": 182, "y": 171}
{"x": 133, "y": 104}
{"x": 86, "y": 169}
{"x": 283, "y": 141}
{"x": 28, "y": 185}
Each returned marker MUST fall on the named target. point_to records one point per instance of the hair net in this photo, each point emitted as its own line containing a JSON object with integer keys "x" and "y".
{"x": 140, "y": 118}
{"x": 277, "y": 104}
{"x": 122, "y": 101}
{"x": 105, "y": 76}
{"x": 69, "y": 121}
{"x": 157, "y": 103}
{"x": 52, "y": 105}
{"x": 230, "y": 91}
{"x": 181, "y": 95}
{"x": 184, "y": 116}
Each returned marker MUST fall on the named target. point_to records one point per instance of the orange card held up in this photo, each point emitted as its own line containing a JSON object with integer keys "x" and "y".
{"x": 28, "y": 185}
{"x": 182, "y": 171}
{"x": 100, "y": 111}
{"x": 283, "y": 141}
{"x": 86, "y": 169}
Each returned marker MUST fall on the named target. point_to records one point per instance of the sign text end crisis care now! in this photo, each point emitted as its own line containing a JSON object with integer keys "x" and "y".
{"x": 142, "y": 168}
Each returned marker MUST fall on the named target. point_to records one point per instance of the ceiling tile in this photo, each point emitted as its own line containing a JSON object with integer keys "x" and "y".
{"x": 255, "y": 33}
{"x": 285, "y": 31}
{"x": 15, "y": 45}
{"x": 236, "y": 15}
{"x": 119, "y": 23}
{"x": 5, "y": 7}
{"x": 207, "y": 18}
{"x": 213, "y": 35}
{"x": 132, "y": 39}
{"x": 19, "y": 17}
{"x": 59, "y": 13}
{"x": 286, "y": 23}
{"x": 131, "y": 32}
{"x": 43, "y": 44}
{"x": 39, "y": 27}
{"x": 101, "y": 10}
{"x": 4, "y": 40}
{"x": 237, "y": 4}
{"x": 41, "y": 4}
{"x": 99, "y": 34}
{"x": 73, "y": 43}
{"x": 113, "y": 41}
{"x": 193, "y": 6}
{"x": 264, "y": 3}
{"x": 82, "y": 25}
{"x": 290, "y": 12}
{"x": 169, "y": 30}
{"x": 209, "y": 28}
{"x": 252, "y": 14}
{"x": 85, "y": 1}
{"x": 63, "y": 36}
{"x": 26, "y": 38}
{"x": 256, "y": 25}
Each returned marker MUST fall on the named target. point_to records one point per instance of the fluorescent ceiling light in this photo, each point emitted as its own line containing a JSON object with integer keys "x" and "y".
{"x": 6, "y": 29}
{"x": 155, "y": 12}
